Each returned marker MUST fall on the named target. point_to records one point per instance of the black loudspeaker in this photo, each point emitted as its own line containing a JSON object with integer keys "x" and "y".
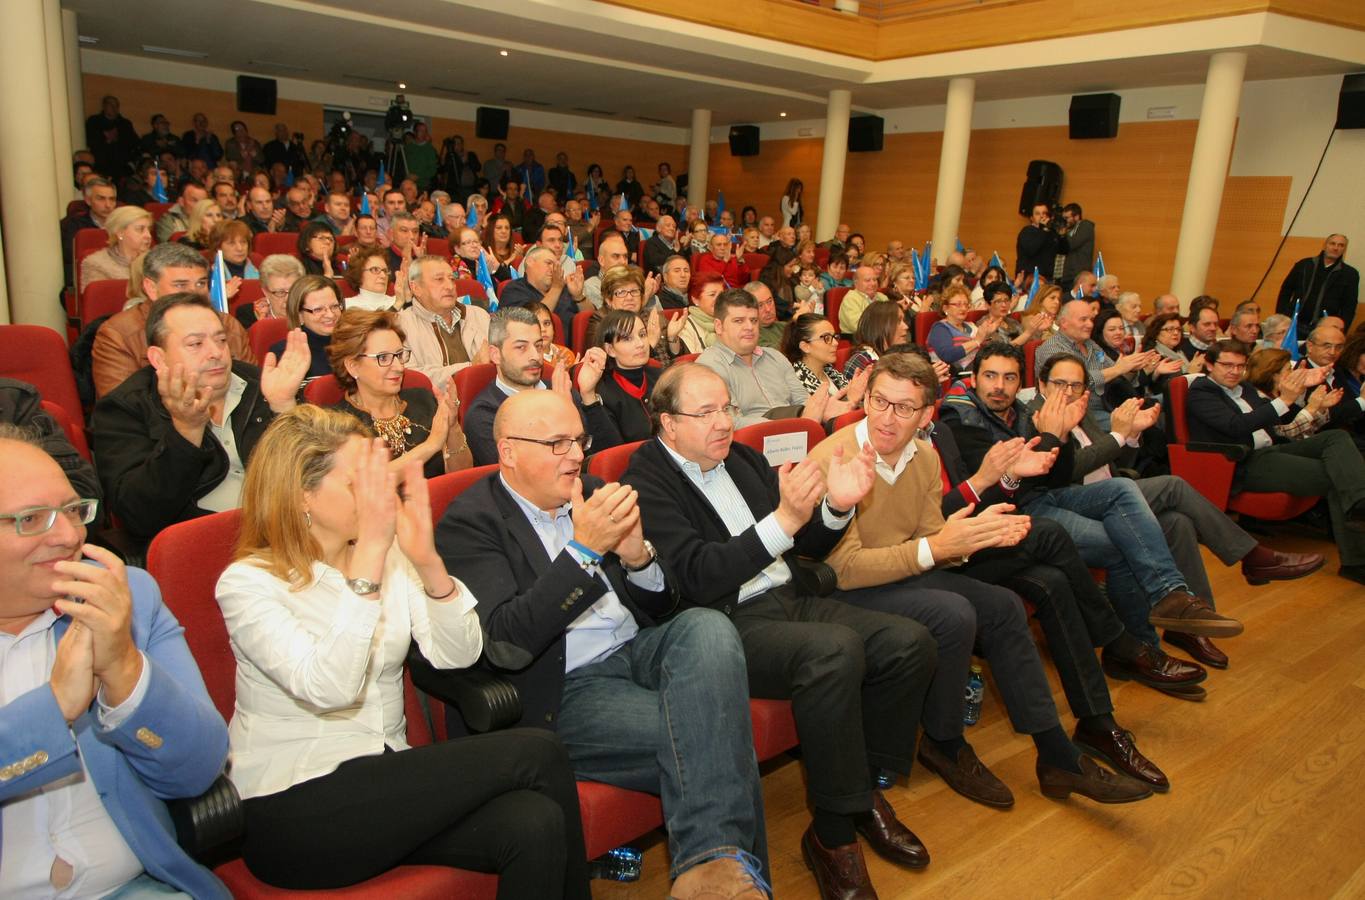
{"x": 490, "y": 123}
{"x": 865, "y": 133}
{"x": 1043, "y": 185}
{"x": 1094, "y": 116}
{"x": 744, "y": 140}
{"x": 256, "y": 95}
{"x": 1351, "y": 102}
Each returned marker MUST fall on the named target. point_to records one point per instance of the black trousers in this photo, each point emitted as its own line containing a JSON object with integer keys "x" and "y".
{"x": 856, "y": 679}
{"x": 503, "y": 802}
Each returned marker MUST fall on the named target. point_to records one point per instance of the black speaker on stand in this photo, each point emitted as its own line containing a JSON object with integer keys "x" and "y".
{"x": 1351, "y": 102}
{"x": 1043, "y": 185}
{"x": 1094, "y": 116}
{"x": 744, "y": 140}
{"x": 490, "y": 123}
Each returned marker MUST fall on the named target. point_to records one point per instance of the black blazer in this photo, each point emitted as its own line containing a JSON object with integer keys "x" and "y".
{"x": 478, "y": 424}
{"x": 1213, "y": 417}
{"x": 708, "y": 564}
{"x": 628, "y": 417}
{"x": 958, "y": 472}
{"x": 526, "y": 601}
{"x": 1348, "y": 412}
{"x": 657, "y": 252}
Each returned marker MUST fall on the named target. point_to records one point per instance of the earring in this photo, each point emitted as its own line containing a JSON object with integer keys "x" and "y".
{"x": 307, "y": 519}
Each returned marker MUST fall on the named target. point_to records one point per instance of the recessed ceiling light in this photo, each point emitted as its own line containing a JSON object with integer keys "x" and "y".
{"x": 402, "y": 86}
{"x": 783, "y": 115}
{"x": 88, "y": 39}
{"x": 502, "y": 53}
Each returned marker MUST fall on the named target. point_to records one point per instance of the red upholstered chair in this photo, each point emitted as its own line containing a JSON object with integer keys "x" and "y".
{"x": 470, "y": 382}
{"x": 268, "y": 242}
{"x": 102, "y": 298}
{"x": 75, "y": 433}
{"x": 674, "y": 312}
{"x": 834, "y": 297}
{"x": 249, "y": 292}
{"x": 848, "y": 418}
{"x": 842, "y": 351}
{"x": 754, "y": 262}
{"x": 186, "y": 560}
{"x": 472, "y": 288}
{"x": 325, "y": 390}
{"x": 345, "y": 240}
{"x": 754, "y": 435}
{"x": 347, "y": 292}
{"x": 580, "y": 330}
{"x": 822, "y": 257}
{"x": 923, "y": 322}
{"x": 264, "y": 334}
{"x": 610, "y": 464}
{"x": 976, "y": 315}
{"x": 37, "y": 354}
{"x": 685, "y": 358}
{"x": 86, "y": 242}
{"x": 157, "y": 209}
{"x": 1030, "y": 366}
{"x": 1210, "y": 472}
{"x": 444, "y": 488}
{"x": 499, "y": 285}
{"x": 438, "y": 247}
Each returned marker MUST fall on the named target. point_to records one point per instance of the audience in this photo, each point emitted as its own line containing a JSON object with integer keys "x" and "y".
{"x": 699, "y": 331}
{"x": 314, "y": 307}
{"x": 130, "y": 235}
{"x": 204, "y": 218}
{"x": 444, "y": 334}
{"x": 367, "y": 272}
{"x": 880, "y": 328}
{"x": 278, "y": 273}
{"x": 855, "y": 302}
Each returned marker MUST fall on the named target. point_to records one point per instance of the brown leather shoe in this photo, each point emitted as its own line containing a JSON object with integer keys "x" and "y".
{"x": 732, "y": 877}
{"x": 1201, "y": 648}
{"x": 1120, "y": 750}
{"x": 1155, "y": 669}
{"x": 841, "y": 873}
{"x": 967, "y": 775}
{"x": 1095, "y": 782}
{"x": 889, "y": 837}
{"x": 1263, "y": 565}
{"x": 1184, "y": 611}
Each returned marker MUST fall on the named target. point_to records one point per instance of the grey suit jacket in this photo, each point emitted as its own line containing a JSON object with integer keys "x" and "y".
{"x": 1082, "y": 253}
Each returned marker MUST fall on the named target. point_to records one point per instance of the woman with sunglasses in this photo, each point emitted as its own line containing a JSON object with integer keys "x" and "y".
{"x": 369, "y": 355}
{"x": 811, "y": 345}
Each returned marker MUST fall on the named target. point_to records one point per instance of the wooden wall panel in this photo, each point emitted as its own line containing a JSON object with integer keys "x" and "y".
{"x": 890, "y": 194}
{"x": 759, "y": 181}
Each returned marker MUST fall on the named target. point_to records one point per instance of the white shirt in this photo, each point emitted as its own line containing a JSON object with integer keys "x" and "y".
{"x": 320, "y": 670}
{"x": 890, "y": 474}
{"x": 64, "y": 818}
{"x": 370, "y": 300}
{"x": 227, "y": 494}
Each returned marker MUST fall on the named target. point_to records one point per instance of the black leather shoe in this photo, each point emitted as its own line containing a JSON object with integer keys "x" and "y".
{"x": 967, "y": 775}
{"x": 1095, "y": 782}
{"x": 841, "y": 873}
{"x": 1120, "y": 750}
{"x": 1200, "y": 648}
{"x": 889, "y": 837}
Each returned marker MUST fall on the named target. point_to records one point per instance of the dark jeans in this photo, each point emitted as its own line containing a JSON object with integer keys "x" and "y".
{"x": 1188, "y": 520}
{"x": 1328, "y": 464}
{"x": 668, "y": 714}
{"x": 856, "y": 680}
{"x": 959, "y": 612}
{"x": 504, "y": 802}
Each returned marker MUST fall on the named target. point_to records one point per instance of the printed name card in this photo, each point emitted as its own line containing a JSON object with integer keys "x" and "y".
{"x": 782, "y": 448}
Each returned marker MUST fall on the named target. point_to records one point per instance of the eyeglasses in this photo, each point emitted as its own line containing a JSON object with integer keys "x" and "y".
{"x": 828, "y": 337}
{"x": 386, "y": 358}
{"x": 627, "y": 292}
{"x": 708, "y": 416}
{"x": 279, "y": 295}
{"x": 377, "y": 270}
{"x": 1232, "y": 367}
{"x": 333, "y": 309}
{"x": 1071, "y": 387}
{"x": 39, "y": 519}
{"x": 558, "y": 446}
{"x": 878, "y": 403}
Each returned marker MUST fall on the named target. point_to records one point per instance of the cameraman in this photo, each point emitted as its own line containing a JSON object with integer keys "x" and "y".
{"x": 285, "y": 150}
{"x": 459, "y": 167}
{"x": 1038, "y": 245}
{"x": 1080, "y": 239}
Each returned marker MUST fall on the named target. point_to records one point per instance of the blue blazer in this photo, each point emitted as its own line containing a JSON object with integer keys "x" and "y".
{"x": 174, "y": 745}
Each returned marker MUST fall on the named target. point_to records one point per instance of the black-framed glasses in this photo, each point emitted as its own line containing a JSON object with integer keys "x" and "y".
{"x": 386, "y": 358}
{"x": 333, "y": 309}
{"x": 558, "y": 446}
{"x": 1071, "y": 387}
{"x": 377, "y": 270}
{"x": 828, "y": 337}
{"x": 708, "y": 416}
{"x": 39, "y": 519}
{"x": 878, "y": 403}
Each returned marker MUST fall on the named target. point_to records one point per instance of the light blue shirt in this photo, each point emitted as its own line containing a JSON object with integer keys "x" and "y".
{"x": 607, "y": 624}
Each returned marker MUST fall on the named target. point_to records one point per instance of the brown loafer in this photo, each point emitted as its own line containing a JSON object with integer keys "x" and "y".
{"x": 1153, "y": 668}
{"x": 889, "y": 837}
{"x": 1119, "y": 749}
{"x": 1184, "y": 611}
{"x": 1272, "y": 565}
{"x": 1201, "y": 648}
{"x": 1095, "y": 782}
{"x": 967, "y": 775}
{"x": 841, "y": 873}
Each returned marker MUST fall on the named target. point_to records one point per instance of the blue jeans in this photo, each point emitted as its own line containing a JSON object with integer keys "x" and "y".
{"x": 668, "y": 714}
{"x": 1114, "y": 529}
{"x": 145, "y": 887}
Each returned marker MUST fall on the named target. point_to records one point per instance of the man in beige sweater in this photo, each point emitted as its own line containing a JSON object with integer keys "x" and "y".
{"x": 892, "y": 558}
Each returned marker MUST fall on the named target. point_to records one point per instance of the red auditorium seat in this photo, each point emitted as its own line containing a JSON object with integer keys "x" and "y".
{"x": 268, "y": 242}
{"x": 71, "y": 427}
{"x": 470, "y": 287}
{"x": 580, "y": 330}
{"x": 470, "y": 382}
{"x": 325, "y": 391}
{"x": 848, "y": 418}
{"x": 834, "y": 297}
{"x": 264, "y": 334}
{"x": 610, "y": 464}
{"x": 86, "y": 242}
{"x": 102, "y": 298}
{"x": 37, "y": 354}
{"x": 753, "y": 435}
{"x": 923, "y": 322}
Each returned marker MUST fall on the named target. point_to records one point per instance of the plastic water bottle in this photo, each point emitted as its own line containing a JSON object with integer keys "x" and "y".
{"x": 621, "y": 864}
{"x": 885, "y": 780}
{"x": 976, "y": 691}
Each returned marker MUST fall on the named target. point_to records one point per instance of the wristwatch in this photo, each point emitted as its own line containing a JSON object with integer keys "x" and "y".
{"x": 653, "y": 557}
{"x": 363, "y": 586}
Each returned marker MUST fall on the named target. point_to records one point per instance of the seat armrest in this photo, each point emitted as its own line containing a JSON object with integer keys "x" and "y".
{"x": 208, "y": 821}
{"x": 486, "y": 701}
{"x": 1234, "y": 452}
{"x": 814, "y": 578}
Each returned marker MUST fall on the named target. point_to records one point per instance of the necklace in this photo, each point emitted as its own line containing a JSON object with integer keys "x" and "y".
{"x": 394, "y": 430}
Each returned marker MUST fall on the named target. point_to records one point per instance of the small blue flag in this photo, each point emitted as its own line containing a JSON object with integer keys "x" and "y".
{"x": 915, "y": 268}
{"x": 960, "y": 248}
{"x": 526, "y": 177}
{"x": 365, "y": 203}
{"x": 1099, "y": 265}
{"x": 288, "y": 178}
{"x": 928, "y": 260}
{"x": 471, "y": 219}
{"x": 1033, "y": 288}
{"x": 159, "y": 188}
{"x": 1291, "y": 337}
{"x": 481, "y": 273}
{"x": 569, "y": 250}
{"x": 592, "y": 197}
{"x": 720, "y": 204}
{"x": 218, "y": 280}
{"x": 646, "y": 234}
{"x": 440, "y": 220}
{"x": 717, "y": 229}
{"x": 624, "y": 205}
{"x": 997, "y": 261}
{"x": 380, "y": 179}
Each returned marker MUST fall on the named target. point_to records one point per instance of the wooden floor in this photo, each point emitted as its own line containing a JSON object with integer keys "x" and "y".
{"x": 1268, "y": 779}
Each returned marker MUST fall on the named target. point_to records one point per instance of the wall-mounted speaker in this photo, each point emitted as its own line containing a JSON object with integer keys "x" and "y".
{"x": 1351, "y": 102}
{"x": 1043, "y": 185}
{"x": 865, "y": 133}
{"x": 744, "y": 140}
{"x": 490, "y": 123}
{"x": 1094, "y": 116}
{"x": 256, "y": 95}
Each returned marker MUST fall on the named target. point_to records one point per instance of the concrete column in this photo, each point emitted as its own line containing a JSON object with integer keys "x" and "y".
{"x": 33, "y": 253}
{"x": 952, "y": 166}
{"x": 698, "y": 158}
{"x": 4, "y": 288}
{"x": 832, "y": 164}
{"x": 1208, "y": 171}
{"x": 56, "y": 89}
{"x": 75, "y": 86}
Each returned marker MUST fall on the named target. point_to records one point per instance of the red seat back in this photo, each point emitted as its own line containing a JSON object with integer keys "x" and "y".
{"x": 822, "y": 257}
{"x": 74, "y": 432}
{"x": 470, "y": 382}
{"x": 102, "y": 298}
{"x": 157, "y": 209}
{"x": 443, "y": 489}
{"x": 1030, "y": 356}
{"x": 248, "y": 293}
{"x": 685, "y": 358}
{"x": 610, "y": 464}
{"x": 268, "y": 242}
{"x": 86, "y": 242}
{"x": 842, "y": 351}
{"x": 1177, "y": 389}
{"x": 753, "y": 435}
{"x": 923, "y": 322}
{"x": 754, "y": 262}
{"x": 580, "y": 330}
{"x": 833, "y": 298}
{"x": 438, "y": 247}
{"x": 326, "y": 390}
{"x": 264, "y": 334}
{"x": 37, "y": 354}
{"x": 848, "y": 418}
{"x": 470, "y": 287}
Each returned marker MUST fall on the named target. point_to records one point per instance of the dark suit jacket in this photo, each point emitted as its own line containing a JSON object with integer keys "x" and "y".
{"x": 1214, "y": 418}
{"x": 526, "y": 601}
{"x": 709, "y": 564}
{"x": 1102, "y": 452}
{"x": 1080, "y": 254}
{"x": 656, "y": 251}
{"x": 958, "y": 472}
{"x": 478, "y": 424}
{"x": 521, "y": 292}
{"x": 1037, "y": 247}
{"x": 629, "y": 418}
{"x": 1347, "y": 413}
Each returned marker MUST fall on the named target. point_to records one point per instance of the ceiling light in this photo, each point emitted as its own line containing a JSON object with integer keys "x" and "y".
{"x": 88, "y": 40}
{"x": 502, "y": 53}
{"x": 172, "y": 51}
{"x": 783, "y": 115}
{"x": 402, "y": 86}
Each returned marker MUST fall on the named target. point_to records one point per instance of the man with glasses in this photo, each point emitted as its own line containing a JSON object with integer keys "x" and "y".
{"x": 1321, "y": 351}
{"x": 1075, "y": 322}
{"x": 445, "y": 334}
{"x": 581, "y": 616}
{"x": 103, "y": 716}
{"x": 895, "y": 558}
{"x": 732, "y": 529}
{"x": 770, "y": 330}
{"x": 175, "y": 437}
{"x": 546, "y": 282}
{"x": 1187, "y": 518}
{"x": 1222, "y": 409}
{"x": 279, "y": 271}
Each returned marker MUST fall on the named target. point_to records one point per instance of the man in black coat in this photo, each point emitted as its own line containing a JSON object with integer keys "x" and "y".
{"x": 173, "y": 440}
{"x": 1324, "y": 286}
{"x": 545, "y": 282}
{"x": 583, "y": 617}
{"x": 1038, "y": 245}
{"x": 661, "y": 245}
{"x": 731, "y": 529}
{"x": 112, "y": 139}
{"x": 20, "y": 404}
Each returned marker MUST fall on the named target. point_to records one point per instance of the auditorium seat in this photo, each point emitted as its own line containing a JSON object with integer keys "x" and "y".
{"x": 37, "y": 354}
{"x": 753, "y": 436}
{"x": 264, "y": 334}
{"x": 268, "y": 242}
{"x": 325, "y": 390}
{"x": 438, "y": 247}
{"x": 610, "y": 464}
{"x": 834, "y": 297}
{"x": 472, "y": 288}
{"x": 580, "y": 330}
{"x": 470, "y": 382}
{"x": 250, "y": 292}
{"x": 71, "y": 427}
{"x": 102, "y": 298}
{"x": 842, "y": 351}
{"x": 923, "y": 322}
{"x": 86, "y": 242}
{"x": 848, "y": 418}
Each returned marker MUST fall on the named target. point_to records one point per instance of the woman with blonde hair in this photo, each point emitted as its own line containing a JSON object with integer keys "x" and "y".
{"x": 130, "y": 234}
{"x": 1047, "y": 302}
{"x": 203, "y": 219}
{"x": 335, "y": 577}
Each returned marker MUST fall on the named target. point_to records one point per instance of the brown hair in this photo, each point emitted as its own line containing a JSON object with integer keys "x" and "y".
{"x": 226, "y": 229}
{"x": 355, "y": 264}
{"x": 293, "y": 456}
{"x": 877, "y": 326}
{"x": 622, "y": 276}
{"x": 949, "y": 291}
{"x": 352, "y": 332}
{"x": 910, "y": 367}
{"x": 305, "y": 286}
{"x": 1263, "y": 366}
{"x": 1154, "y": 328}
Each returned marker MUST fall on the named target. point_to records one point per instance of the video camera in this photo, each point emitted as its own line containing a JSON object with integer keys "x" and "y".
{"x": 399, "y": 117}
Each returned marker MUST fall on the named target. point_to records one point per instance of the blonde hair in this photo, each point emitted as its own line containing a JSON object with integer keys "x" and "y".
{"x": 121, "y": 218}
{"x": 293, "y": 456}
{"x": 134, "y": 291}
{"x": 196, "y": 223}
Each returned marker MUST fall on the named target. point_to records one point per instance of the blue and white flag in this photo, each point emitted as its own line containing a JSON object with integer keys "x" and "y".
{"x": 720, "y": 204}
{"x": 471, "y": 219}
{"x": 1033, "y": 288}
{"x": 1291, "y": 337}
{"x": 915, "y": 269}
{"x": 960, "y": 248}
{"x": 997, "y": 261}
{"x": 159, "y": 188}
{"x": 218, "y": 280}
{"x": 1099, "y": 265}
{"x": 439, "y": 220}
{"x": 380, "y": 179}
{"x": 365, "y": 203}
